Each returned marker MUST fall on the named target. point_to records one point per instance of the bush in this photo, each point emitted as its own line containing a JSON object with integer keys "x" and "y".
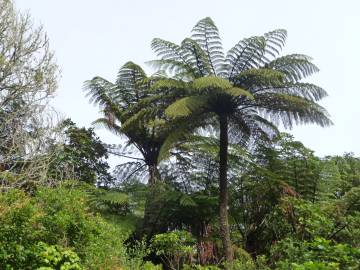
{"x": 60, "y": 222}
{"x": 174, "y": 247}
{"x": 317, "y": 254}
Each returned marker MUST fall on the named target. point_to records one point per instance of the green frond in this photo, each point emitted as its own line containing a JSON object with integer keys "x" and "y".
{"x": 108, "y": 124}
{"x": 139, "y": 119}
{"x": 295, "y": 66}
{"x": 267, "y": 126}
{"x": 99, "y": 90}
{"x": 253, "y": 79}
{"x": 173, "y": 67}
{"x": 236, "y": 92}
{"x": 131, "y": 72}
{"x": 198, "y": 58}
{"x": 173, "y": 57}
{"x": 289, "y": 109}
{"x": 275, "y": 40}
{"x": 205, "y": 144}
{"x": 246, "y": 54}
{"x": 181, "y": 132}
{"x": 305, "y": 90}
{"x": 186, "y": 106}
{"x": 206, "y": 34}
{"x": 166, "y": 84}
{"x": 211, "y": 82}
{"x": 131, "y": 84}
{"x": 114, "y": 198}
{"x": 187, "y": 201}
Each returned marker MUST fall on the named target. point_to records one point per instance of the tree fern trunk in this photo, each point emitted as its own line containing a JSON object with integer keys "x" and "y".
{"x": 154, "y": 174}
{"x": 152, "y": 209}
{"x": 223, "y": 199}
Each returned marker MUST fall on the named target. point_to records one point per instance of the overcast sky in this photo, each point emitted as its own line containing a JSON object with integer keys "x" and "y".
{"x": 92, "y": 37}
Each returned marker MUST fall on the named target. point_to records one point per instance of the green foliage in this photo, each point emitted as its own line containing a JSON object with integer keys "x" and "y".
{"x": 55, "y": 257}
{"x": 82, "y": 157}
{"x": 317, "y": 254}
{"x": 175, "y": 247}
{"x": 62, "y": 220}
{"x": 307, "y": 219}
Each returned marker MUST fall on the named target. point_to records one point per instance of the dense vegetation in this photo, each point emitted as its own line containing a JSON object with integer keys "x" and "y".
{"x": 207, "y": 179}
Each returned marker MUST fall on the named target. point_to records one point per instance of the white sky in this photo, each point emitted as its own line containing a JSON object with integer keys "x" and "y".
{"x": 93, "y": 38}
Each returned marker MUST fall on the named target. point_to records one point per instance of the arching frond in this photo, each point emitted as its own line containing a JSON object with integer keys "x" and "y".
{"x": 186, "y": 106}
{"x": 246, "y": 54}
{"x": 108, "y": 124}
{"x": 131, "y": 84}
{"x": 198, "y": 58}
{"x": 211, "y": 82}
{"x": 139, "y": 119}
{"x": 237, "y": 92}
{"x": 173, "y": 68}
{"x": 249, "y": 125}
{"x": 173, "y": 57}
{"x": 289, "y": 109}
{"x": 128, "y": 170}
{"x": 98, "y": 90}
{"x": 168, "y": 84}
{"x": 253, "y": 79}
{"x": 275, "y": 40}
{"x": 206, "y": 34}
{"x": 181, "y": 132}
{"x": 295, "y": 66}
{"x": 305, "y": 90}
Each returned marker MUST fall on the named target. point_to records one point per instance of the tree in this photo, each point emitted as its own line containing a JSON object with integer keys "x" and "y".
{"x": 117, "y": 101}
{"x": 81, "y": 157}
{"x": 245, "y": 93}
{"x": 131, "y": 108}
{"x": 28, "y": 78}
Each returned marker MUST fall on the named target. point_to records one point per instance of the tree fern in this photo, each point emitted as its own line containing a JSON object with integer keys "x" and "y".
{"x": 249, "y": 92}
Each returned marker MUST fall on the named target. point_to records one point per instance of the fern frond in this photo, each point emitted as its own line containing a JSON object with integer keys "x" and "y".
{"x": 206, "y": 34}
{"x": 211, "y": 82}
{"x": 186, "y": 106}
{"x": 305, "y": 90}
{"x": 99, "y": 90}
{"x": 139, "y": 119}
{"x": 292, "y": 109}
{"x": 173, "y": 67}
{"x": 236, "y": 92}
{"x": 254, "y": 79}
{"x": 295, "y": 66}
{"x": 166, "y": 84}
{"x": 172, "y": 56}
{"x": 108, "y": 124}
{"x": 198, "y": 58}
{"x": 275, "y": 40}
{"x": 130, "y": 169}
{"x": 187, "y": 201}
{"x": 131, "y": 84}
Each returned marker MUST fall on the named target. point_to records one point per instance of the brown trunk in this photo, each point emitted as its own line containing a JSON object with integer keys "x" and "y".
{"x": 223, "y": 199}
{"x": 154, "y": 175}
{"x": 152, "y": 209}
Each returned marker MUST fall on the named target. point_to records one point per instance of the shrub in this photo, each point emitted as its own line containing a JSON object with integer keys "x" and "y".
{"x": 320, "y": 253}
{"x": 174, "y": 247}
{"x": 60, "y": 222}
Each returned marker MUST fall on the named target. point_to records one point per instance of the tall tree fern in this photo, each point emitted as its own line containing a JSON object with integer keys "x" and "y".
{"x": 246, "y": 92}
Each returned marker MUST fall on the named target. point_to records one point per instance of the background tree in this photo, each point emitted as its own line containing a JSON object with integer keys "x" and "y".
{"x": 81, "y": 157}
{"x": 28, "y": 78}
